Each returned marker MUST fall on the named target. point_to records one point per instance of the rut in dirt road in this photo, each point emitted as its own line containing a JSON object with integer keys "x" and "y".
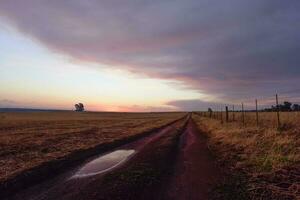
{"x": 135, "y": 171}
{"x": 173, "y": 163}
{"x": 196, "y": 173}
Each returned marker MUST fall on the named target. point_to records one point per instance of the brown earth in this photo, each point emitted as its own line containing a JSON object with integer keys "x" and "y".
{"x": 173, "y": 163}
{"x": 196, "y": 173}
{"x": 28, "y": 140}
{"x": 36, "y": 146}
{"x": 136, "y": 179}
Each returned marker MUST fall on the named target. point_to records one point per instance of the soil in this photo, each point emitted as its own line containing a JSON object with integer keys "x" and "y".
{"x": 56, "y": 166}
{"x": 173, "y": 163}
{"x": 196, "y": 173}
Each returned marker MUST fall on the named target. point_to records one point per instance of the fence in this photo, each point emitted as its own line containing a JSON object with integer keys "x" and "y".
{"x": 273, "y": 118}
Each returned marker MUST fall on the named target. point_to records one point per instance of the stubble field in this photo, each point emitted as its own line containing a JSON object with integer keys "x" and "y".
{"x": 28, "y": 140}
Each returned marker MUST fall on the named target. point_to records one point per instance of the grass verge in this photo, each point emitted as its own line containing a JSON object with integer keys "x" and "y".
{"x": 265, "y": 159}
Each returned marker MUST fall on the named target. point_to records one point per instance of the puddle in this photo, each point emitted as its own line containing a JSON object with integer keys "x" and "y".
{"x": 104, "y": 163}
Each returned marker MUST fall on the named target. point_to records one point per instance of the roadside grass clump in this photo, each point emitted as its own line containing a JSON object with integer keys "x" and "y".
{"x": 234, "y": 187}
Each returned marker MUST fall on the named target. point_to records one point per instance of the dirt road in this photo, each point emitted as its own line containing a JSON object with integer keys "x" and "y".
{"x": 195, "y": 173}
{"x": 85, "y": 181}
{"x": 173, "y": 163}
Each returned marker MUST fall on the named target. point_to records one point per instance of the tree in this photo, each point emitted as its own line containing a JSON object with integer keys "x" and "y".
{"x": 286, "y": 106}
{"x": 296, "y": 107}
{"x": 79, "y": 107}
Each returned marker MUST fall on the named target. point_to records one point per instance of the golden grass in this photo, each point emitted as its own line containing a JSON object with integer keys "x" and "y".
{"x": 263, "y": 151}
{"x": 267, "y": 119}
{"x": 265, "y": 148}
{"x": 30, "y": 139}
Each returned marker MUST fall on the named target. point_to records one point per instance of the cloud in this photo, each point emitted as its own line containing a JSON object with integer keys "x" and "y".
{"x": 229, "y": 49}
{"x": 140, "y": 108}
{"x": 7, "y": 103}
{"x": 249, "y": 104}
{"x": 194, "y": 105}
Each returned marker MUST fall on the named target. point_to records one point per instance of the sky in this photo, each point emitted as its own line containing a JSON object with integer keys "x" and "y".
{"x": 148, "y": 55}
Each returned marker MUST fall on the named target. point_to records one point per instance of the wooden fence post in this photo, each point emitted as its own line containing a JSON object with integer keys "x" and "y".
{"x": 256, "y": 107}
{"x": 277, "y": 109}
{"x": 243, "y": 114}
{"x": 233, "y": 113}
{"x": 221, "y": 115}
{"x": 227, "y": 116}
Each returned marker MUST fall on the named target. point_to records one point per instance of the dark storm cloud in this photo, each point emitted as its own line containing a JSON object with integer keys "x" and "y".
{"x": 194, "y": 105}
{"x": 230, "y": 49}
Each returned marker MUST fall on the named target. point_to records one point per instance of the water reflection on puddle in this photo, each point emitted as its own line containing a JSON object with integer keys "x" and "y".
{"x": 104, "y": 163}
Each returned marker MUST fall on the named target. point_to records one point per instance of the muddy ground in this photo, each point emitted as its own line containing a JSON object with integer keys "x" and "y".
{"x": 173, "y": 163}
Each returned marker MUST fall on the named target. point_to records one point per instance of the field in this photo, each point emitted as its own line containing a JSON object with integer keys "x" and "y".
{"x": 237, "y": 160}
{"x": 266, "y": 156}
{"x": 28, "y": 140}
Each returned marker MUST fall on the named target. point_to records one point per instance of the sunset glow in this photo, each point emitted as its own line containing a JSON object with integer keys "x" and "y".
{"x": 35, "y": 77}
{"x": 148, "y": 56}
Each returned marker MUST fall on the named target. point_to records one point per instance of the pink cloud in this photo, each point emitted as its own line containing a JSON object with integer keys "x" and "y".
{"x": 219, "y": 48}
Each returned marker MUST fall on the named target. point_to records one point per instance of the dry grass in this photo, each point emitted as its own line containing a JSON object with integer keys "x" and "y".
{"x": 30, "y": 139}
{"x": 288, "y": 120}
{"x": 256, "y": 150}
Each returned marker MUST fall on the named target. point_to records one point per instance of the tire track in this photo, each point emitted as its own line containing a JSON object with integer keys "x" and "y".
{"x": 146, "y": 166}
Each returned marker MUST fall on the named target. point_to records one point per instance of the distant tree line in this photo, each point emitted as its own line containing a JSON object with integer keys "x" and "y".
{"x": 286, "y": 106}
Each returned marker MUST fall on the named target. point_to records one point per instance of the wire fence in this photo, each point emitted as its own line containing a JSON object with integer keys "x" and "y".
{"x": 277, "y": 116}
